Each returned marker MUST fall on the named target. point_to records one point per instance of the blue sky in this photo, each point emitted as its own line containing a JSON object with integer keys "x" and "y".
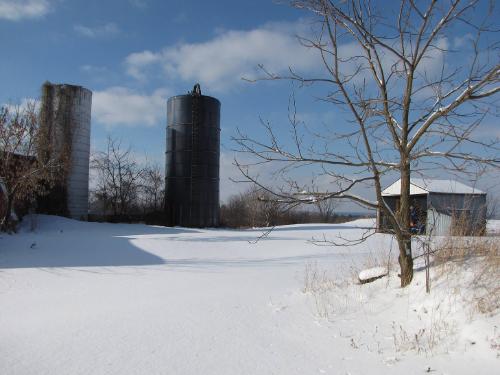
{"x": 134, "y": 54}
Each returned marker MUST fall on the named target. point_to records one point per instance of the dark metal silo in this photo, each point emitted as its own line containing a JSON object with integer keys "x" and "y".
{"x": 192, "y": 160}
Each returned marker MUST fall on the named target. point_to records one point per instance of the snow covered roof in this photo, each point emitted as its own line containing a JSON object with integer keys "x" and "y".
{"x": 426, "y": 186}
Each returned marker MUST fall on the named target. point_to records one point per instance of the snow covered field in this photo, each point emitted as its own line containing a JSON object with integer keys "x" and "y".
{"x": 89, "y": 298}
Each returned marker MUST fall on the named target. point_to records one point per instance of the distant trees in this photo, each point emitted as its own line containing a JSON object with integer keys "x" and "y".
{"x": 25, "y": 177}
{"x": 152, "y": 188}
{"x": 252, "y": 208}
{"x": 326, "y": 207}
{"x": 121, "y": 185}
{"x": 256, "y": 207}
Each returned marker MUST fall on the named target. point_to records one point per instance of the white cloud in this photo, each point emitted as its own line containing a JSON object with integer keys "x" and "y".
{"x": 433, "y": 61}
{"x": 229, "y": 56}
{"x": 22, "y": 105}
{"x": 429, "y": 70}
{"x": 15, "y": 10}
{"x": 92, "y": 69}
{"x": 139, "y": 3}
{"x": 107, "y": 30}
{"x": 137, "y": 62}
{"x": 117, "y": 106}
{"x": 223, "y": 60}
{"x": 462, "y": 41}
{"x": 220, "y": 62}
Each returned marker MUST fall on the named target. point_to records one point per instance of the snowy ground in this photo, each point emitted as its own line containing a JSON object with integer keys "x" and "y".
{"x": 88, "y": 298}
{"x": 493, "y": 227}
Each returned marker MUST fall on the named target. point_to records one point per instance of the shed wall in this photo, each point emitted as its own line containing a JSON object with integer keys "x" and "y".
{"x": 444, "y": 213}
{"x": 467, "y": 212}
{"x": 438, "y": 223}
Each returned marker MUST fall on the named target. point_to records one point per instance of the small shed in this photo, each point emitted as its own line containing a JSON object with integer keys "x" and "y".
{"x": 439, "y": 207}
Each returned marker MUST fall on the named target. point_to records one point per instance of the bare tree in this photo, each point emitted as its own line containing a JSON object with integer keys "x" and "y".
{"x": 117, "y": 178}
{"x": 413, "y": 99}
{"x": 152, "y": 187}
{"x": 326, "y": 207}
{"x": 24, "y": 176}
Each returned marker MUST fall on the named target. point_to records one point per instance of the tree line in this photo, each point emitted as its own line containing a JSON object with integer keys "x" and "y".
{"x": 256, "y": 207}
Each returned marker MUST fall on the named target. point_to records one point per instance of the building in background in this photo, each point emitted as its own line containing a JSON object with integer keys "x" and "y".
{"x": 438, "y": 207}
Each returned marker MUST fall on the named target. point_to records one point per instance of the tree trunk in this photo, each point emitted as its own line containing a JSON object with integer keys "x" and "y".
{"x": 405, "y": 260}
{"x": 404, "y": 242}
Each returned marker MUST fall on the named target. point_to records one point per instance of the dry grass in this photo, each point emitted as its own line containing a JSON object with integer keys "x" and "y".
{"x": 317, "y": 280}
{"x": 479, "y": 257}
{"x": 372, "y": 261}
{"x": 425, "y": 340}
{"x": 333, "y": 296}
{"x": 466, "y": 275}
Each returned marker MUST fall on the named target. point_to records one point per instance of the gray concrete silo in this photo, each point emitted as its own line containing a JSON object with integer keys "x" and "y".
{"x": 65, "y": 122}
{"x": 192, "y": 160}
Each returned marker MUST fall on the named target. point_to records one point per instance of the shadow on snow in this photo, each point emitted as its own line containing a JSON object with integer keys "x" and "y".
{"x": 66, "y": 243}
{"x": 81, "y": 245}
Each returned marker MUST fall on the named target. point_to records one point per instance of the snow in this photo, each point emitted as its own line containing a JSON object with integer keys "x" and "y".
{"x": 81, "y": 298}
{"x": 371, "y": 273}
{"x": 420, "y": 186}
{"x": 493, "y": 227}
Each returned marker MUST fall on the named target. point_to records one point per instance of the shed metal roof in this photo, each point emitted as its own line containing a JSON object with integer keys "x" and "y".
{"x": 420, "y": 186}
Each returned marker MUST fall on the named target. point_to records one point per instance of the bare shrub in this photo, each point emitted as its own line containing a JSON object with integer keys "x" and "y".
{"x": 480, "y": 258}
{"x": 334, "y": 296}
{"x": 316, "y": 280}
{"x": 152, "y": 188}
{"x": 432, "y": 331}
{"x": 118, "y": 178}
{"x": 486, "y": 296}
{"x": 424, "y": 340}
{"x": 23, "y": 176}
{"x": 253, "y": 208}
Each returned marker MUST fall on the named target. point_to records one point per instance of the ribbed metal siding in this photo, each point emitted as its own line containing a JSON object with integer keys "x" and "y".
{"x": 68, "y": 112}
{"x": 192, "y": 161}
{"x": 78, "y": 177}
{"x": 438, "y": 223}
